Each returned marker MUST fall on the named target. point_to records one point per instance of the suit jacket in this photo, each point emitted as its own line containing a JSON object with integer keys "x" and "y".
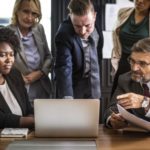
{"x": 126, "y": 85}
{"x": 45, "y": 56}
{"x": 70, "y": 58}
{"x": 17, "y": 87}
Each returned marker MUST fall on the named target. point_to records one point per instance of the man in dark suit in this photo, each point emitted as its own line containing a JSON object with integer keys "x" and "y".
{"x": 132, "y": 91}
{"x": 79, "y": 43}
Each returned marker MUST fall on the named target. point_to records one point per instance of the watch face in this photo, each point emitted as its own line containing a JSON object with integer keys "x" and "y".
{"x": 145, "y": 102}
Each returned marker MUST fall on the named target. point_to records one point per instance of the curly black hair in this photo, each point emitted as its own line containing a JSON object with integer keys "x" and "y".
{"x": 7, "y": 35}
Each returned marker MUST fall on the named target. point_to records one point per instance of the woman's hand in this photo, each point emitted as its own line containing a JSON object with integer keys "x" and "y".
{"x": 32, "y": 77}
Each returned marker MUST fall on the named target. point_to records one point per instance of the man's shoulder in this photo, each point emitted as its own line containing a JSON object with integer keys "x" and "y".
{"x": 126, "y": 82}
{"x": 126, "y": 77}
{"x": 65, "y": 28}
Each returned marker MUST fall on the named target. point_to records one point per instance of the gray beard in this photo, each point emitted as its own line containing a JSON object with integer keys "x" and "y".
{"x": 140, "y": 80}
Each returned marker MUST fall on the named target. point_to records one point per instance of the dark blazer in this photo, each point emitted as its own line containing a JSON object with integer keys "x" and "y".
{"x": 16, "y": 84}
{"x": 70, "y": 57}
{"x": 126, "y": 85}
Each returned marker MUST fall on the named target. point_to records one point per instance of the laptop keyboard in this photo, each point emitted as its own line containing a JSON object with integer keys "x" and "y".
{"x": 52, "y": 145}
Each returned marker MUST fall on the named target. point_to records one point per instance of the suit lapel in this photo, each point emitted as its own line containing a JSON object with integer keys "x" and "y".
{"x": 79, "y": 42}
{"x": 37, "y": 38}
{"x": 15, "y": 92}
{"x": 20, "y": 57}
{"x": 136, "y": 88}
{"x": 3, "y": 105}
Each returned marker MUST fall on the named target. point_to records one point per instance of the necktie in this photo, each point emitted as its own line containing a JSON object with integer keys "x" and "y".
{"x": 146, "y": 90}
{"x": 95, "y": 73}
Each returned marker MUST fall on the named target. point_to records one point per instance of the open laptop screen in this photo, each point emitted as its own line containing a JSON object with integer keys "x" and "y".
{"x": 66, "y": 118}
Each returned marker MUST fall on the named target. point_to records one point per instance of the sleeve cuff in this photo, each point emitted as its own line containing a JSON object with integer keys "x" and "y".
{"x": 108, "y": 122}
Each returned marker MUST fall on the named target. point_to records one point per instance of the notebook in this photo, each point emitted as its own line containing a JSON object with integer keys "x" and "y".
{"x": 66, "y": 118}
{"x": 14, "y": 132}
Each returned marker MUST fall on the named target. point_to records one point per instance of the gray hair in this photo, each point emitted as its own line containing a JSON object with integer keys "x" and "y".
{"x": 141, "y": 46}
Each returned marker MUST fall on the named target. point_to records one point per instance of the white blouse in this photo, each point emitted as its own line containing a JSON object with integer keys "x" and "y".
{"x": 10, "y": 99}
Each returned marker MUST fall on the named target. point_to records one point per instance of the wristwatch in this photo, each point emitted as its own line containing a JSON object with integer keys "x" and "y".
{"x": 145, "y": 102}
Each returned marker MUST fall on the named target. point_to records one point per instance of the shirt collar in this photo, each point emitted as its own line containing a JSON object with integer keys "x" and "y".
{"x": 148, "y": 84}
{"x": 27, "y": 36}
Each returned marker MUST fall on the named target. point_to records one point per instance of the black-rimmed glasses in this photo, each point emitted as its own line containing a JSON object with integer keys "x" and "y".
{"x": 142, "y": 64}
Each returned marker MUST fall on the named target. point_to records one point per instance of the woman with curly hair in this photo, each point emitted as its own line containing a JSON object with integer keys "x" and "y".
{"x": 15, "y": 108}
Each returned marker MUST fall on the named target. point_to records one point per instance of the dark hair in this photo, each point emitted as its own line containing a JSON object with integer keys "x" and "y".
{"x": 141, "y": 46}
{"x": 80, "y": 7}
{"x": 7, "y": 35}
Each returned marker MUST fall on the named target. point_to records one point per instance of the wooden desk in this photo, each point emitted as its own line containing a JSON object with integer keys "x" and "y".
{"x": 108, "y": 140}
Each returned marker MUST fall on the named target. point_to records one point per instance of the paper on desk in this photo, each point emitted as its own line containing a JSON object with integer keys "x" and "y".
{"x": 134, "y": 119}
{"x": 14, "y": 132}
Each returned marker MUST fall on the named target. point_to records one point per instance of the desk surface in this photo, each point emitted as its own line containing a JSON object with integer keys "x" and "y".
{"x": 108, "y": 140}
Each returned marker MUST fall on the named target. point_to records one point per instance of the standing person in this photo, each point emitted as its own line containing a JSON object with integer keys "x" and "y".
{"x": 133, "y": 90}
{"x": 79, "y": 44}
{"x": 34, "y": 59}
{"x": 15, "y": 109}
{"x": 133, "y": 24}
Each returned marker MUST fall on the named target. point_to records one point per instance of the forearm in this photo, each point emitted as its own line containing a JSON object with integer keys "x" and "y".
{"x": 27, "y": 122}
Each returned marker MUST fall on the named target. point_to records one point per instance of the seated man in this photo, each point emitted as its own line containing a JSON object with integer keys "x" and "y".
{"x": 130, "y": 92}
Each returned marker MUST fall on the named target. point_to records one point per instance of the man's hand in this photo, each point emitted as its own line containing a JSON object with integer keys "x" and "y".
{"x": 117, "y": 121}
{"x": 130, "y": 100}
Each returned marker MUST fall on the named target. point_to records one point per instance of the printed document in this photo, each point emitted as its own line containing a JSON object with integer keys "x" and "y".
{"x": 134, "y": 119}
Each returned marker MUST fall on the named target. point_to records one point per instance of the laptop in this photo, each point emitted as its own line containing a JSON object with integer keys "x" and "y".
{"x": 66, "y": 117}
{"x": 78, "y": 118}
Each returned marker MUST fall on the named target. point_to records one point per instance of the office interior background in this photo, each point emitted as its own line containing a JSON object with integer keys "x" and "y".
{"x": 55, "y": 11}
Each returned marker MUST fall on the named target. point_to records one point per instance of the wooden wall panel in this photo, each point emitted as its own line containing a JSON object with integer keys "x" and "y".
{"x": 106, "y": 85}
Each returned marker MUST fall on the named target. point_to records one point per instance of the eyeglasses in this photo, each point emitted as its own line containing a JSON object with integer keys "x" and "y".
{"x": 29, "y": 12}
{"x": 142, "y": 64}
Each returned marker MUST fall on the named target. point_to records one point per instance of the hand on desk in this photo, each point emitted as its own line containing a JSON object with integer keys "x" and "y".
{"x": 117, "y": 121}
{"x": 27, "y": 122}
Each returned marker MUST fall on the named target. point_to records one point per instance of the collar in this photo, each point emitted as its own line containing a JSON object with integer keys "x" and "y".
{"x": 148, "y": 84}
{"x": 27, "y": 36}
